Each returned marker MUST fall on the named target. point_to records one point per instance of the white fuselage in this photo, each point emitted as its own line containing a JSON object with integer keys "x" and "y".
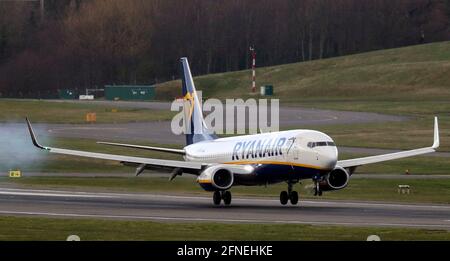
{"x": 306, "y": 148}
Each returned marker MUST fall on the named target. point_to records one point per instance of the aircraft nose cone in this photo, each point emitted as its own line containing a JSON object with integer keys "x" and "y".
{"x": 329, "y": 158}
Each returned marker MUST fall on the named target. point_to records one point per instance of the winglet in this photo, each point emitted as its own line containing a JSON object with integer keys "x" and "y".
{"x": 33, "y": 137}
{"x": 436, "y": 134}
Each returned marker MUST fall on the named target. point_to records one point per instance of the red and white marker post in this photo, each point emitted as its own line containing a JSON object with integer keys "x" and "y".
{"x": 253, "y": 53}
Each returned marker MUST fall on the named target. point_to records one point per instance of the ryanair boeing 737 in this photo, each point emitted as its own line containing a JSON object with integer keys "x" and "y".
{"x": 249, "y": 160}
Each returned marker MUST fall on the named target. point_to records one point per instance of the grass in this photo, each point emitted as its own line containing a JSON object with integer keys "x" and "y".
{"x": 423, "y": 190}
{"x": 411, "y": 134}
{"x": 61, "y": 112}
{"x": 423, "y": 108}
{"x": 411, "y": 81}
{"x": 27, "y": 228}
{"x": 410, "y": 73}
{"x": 416, "y": 165}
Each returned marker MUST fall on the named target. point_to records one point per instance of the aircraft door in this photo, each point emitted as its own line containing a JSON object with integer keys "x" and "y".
{"x": 296, "y": 152}
{"x": 292, "y": 152}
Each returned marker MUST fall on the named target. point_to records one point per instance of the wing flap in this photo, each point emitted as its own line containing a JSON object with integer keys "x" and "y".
{"x": 128, "y": 159}
{"x": 168, "y": 150}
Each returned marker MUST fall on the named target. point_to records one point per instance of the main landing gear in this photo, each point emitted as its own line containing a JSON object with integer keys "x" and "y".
{"x": 218, "y": 196}
{"x": 289, "y": 195}
{"x": 317, "y": 190}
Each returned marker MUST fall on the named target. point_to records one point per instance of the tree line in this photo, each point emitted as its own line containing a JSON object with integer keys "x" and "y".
{"x": 56, "y": 44}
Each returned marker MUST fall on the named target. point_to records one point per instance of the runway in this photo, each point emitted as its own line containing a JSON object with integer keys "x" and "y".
{"x": 159, "y": 131}
{"x": 295, "y": 116}
{"x": 183, "y": 208}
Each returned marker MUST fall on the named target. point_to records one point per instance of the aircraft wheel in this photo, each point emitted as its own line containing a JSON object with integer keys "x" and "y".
{"x": 293, "y": 197}
{"x": 217, "y": 198}
{"x": 284, "y": 197}
{"x": 226, "y": 196}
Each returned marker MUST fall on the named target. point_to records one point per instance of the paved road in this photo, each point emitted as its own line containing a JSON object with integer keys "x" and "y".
{"x": 289, "y": 115}
{"x": 155, "y": 174}
{"x": 180, "y": 208}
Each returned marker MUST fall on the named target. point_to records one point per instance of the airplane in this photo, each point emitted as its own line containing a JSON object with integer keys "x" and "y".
{"x": 248, "y": 160}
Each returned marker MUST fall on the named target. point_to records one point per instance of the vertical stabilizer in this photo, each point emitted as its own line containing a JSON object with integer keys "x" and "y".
{"x": 196, "y": 129}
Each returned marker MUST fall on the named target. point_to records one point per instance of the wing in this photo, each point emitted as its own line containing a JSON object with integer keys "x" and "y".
{"x": 143, "y": 163}
{"x": 391, "y": 156}
{"x": 168, "y": 150}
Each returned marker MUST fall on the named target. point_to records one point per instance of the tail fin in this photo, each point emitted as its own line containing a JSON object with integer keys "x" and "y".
{"x": 196, "y": 129}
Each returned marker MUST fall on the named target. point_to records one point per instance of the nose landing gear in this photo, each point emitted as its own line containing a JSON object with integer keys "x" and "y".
{"x": 317, "y": 190}
{"x": 218, "y": 196}
{"x": 289, "y": 195}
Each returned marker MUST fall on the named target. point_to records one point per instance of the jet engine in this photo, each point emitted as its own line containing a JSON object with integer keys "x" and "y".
{"x": 216, "y": 178}
{"x": 222, "y": 179}
{"x": 335, "y": 180}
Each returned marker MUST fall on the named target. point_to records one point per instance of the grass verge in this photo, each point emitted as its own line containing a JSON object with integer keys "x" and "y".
{"x": 60, "y": 112}
{"x": 416, "y": 72}
{"x": 414, "y": 133}
{"x": 27, "y": 228}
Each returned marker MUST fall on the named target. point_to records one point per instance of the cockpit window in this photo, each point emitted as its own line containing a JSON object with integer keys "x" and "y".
{"x": 320, "y": 144}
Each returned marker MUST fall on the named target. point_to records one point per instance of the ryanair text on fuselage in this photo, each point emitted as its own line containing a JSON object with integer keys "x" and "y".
{"x": 258, "y": 148}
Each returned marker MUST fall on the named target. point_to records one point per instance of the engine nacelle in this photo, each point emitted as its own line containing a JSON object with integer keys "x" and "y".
{"x": 222, "y": 179}
{"x": 337, "y": 179}
{"x": 216, "y": 178}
